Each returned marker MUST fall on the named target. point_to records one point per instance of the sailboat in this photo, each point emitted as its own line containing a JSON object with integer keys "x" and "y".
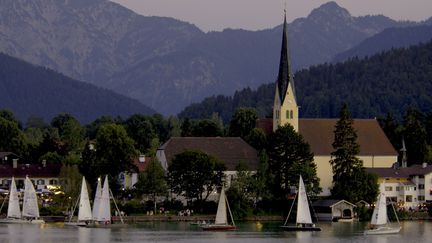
{"x": 221, "y": 221}
{"x": 30, "y": 203}
{"x": 85, "y": 216}
{"x": 14, "y": 211}
{"x": 303, "y": 217}
{"x": 102, "y": 206}
{"x": 30, "y": 213}
{"x": 379, "y": 223}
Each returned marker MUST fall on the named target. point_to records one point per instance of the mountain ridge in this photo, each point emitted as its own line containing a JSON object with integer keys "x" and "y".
{"x": 164, "y": 62}
{"x": 28, "y": 90}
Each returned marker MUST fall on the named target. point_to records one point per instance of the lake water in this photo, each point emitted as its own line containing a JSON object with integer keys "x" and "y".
{"x": 412, "y": 231}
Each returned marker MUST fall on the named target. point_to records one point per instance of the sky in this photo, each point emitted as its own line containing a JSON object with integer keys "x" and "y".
{"x": 216, "y": 15}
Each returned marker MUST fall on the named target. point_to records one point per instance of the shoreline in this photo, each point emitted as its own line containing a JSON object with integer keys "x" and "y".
{"x": 198, "y": 218}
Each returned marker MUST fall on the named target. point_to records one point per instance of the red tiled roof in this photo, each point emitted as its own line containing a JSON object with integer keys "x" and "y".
{"x": 230, "y": 150}
{"x": 319, "y": 133}
{"x": 31, "y": 170}
{"x": 142, "y": 166}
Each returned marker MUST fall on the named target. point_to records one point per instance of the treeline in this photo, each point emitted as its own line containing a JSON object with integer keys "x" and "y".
{"x": 392, "y": 81}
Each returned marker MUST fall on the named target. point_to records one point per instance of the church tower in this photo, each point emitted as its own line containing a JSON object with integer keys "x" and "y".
{"x": 285, "y": 109}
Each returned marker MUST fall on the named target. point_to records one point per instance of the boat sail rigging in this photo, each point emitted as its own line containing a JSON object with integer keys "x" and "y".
{"x": 303, "y": 217}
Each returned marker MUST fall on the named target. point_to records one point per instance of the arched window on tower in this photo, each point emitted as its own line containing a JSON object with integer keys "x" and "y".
{"x": 287, "y": 114}
{"x": 291, "y": 113}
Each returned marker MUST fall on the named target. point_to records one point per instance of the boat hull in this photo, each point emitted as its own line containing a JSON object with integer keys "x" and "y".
{"x": 217, "y": 227}
{"x": 300, "y": 228}
{"x": 383, "y": 230}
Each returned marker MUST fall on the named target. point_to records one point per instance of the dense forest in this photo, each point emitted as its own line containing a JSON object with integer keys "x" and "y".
{"x": 391, "y": 81}
{"x": 29, "y": 90}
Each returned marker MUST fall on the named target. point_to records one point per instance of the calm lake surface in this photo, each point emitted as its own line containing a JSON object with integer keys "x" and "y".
{"x": 412, "y": 231}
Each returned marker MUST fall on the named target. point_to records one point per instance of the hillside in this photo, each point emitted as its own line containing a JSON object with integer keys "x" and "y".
{"x": 388, "y": 39}
{"x": 163, "y": 62}
{"x": 388, "y": 82}
{"x": 29, "y": 90}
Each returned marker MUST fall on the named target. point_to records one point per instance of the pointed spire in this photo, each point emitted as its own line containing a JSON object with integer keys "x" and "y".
{"x": 285, "y": 75}
{"x": 404, "y": 161}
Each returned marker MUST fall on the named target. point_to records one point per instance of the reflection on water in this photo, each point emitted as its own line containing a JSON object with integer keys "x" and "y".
{"x": 182, "y": 232}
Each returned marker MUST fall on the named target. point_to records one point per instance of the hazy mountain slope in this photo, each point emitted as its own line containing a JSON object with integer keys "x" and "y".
{"x": 29, "y": 90}
{"x": 86, "y": 39}
{"x": 387, "y": 39}
{"x": 164, "y": 62}
{"x": 222, "y": 62}
{"x": 391, "y": 81}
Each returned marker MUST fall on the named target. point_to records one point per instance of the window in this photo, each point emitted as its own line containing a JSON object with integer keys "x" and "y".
{"x": 421, "y": 176}
{"x": 53, "y": 182}
{"x": 408, "y": 198}
{"x": 421, "y": 186}
{"x": 397, "y": 188}
{"x": 291, "y": 112}
{"x": 388, "y": 188}
{"x": 40, "y": 182}
{"x": 421, "y": 198}
{"x": 287, "y": 115}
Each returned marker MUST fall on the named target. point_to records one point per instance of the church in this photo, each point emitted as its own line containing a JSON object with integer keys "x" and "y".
{"x": 376, "y": 151}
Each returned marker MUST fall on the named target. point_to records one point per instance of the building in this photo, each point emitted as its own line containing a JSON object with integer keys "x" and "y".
{"x": 43, "y": 175}
{"x": 375, "y": 148}
{"x": 410, "y": 187}
{"x": 334, "y": 210}
{"x": 230, "y": 150}
{"x": 128, "y": 179}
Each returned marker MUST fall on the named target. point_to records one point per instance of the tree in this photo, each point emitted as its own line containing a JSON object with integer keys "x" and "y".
{"x": 415, "y": 136}
{"x": 12, "y": 138}
{"x": 114, "y": 153}
{"x": 70, "y": 131}
{"x": 141, "y": 130}
{"x": 152, "y": 181}
{"x": 257, "y": 139}
{"x": 243, "y": 122}
{"x": 241, "y": 190}
{"x": 290, "y": 157}
{"x": 195, "y": 175}
{"x": 206, "y": 128}
{"x": 350, "y": 180}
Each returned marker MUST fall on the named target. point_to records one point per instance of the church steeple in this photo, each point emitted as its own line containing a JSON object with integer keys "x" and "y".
{"x": 285, "y": 109}
{"x": 285, "y": 74}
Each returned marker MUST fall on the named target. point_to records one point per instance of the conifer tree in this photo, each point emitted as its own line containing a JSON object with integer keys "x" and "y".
{"x": 350, "y": 180}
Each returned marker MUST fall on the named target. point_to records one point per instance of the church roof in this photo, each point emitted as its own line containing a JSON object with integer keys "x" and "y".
{"x": 230, "y": 150}
{"x": 285, "y": 74}
{"x": 319, "y": 133}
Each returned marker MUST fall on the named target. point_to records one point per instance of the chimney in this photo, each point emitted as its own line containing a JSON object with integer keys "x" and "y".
{"x": 15, "y": 163}
{"x": 44, "y": 163}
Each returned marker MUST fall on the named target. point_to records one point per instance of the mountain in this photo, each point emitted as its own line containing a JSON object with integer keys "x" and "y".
{"x": 388, "y": 39}
{"x": 391, "y": 81}
{"x": 28, "y": 90}
{"x": 163, "y": 62}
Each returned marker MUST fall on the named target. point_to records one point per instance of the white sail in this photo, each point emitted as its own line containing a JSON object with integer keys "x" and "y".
{"x": 84, "y": 211}
{"x": 30, "y": 204}
{"x": 221, "y": 215}
{"x": 303, "y": 213}
{"x": 379, "y": 215}
{"x": 13, "y": 208}
{"x": 97, "y": 199}
{"x": 104, "y": 206}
